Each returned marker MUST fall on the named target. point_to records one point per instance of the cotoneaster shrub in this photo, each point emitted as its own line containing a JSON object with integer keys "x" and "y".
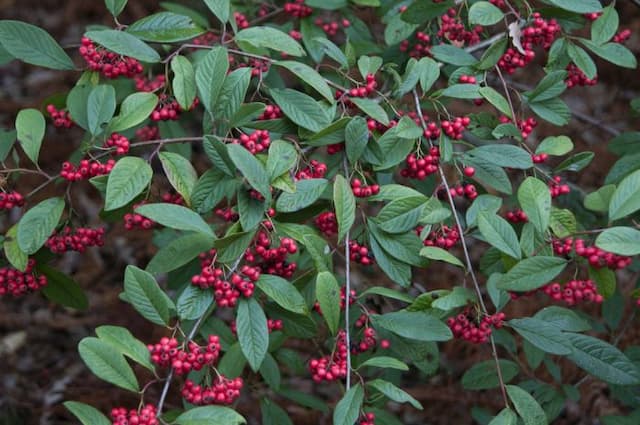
{"x": 301, "y": 142}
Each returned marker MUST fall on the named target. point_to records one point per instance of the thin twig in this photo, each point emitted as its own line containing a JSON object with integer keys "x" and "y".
{"x": 467, "y": 257}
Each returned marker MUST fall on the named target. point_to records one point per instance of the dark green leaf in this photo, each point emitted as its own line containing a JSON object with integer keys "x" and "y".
{"x": 535, "y": 200}
{"x": 115, "y": 6}
{"x": 122, "y": 341}
{"x": 526, "y": 406}
{"x": 394, "y": 393}
{"x": 33, "y": 45}
{"x": 134, "y": 109}
{"x": 87, "y": 415}
{"x": 348, "y": 408}
{"x": 129, "y": 177}
{"x": 307, "y": 192}
{"x": 145, "y": 295}
{"x": 175, "y": 217}
{"x": 270, "y": 38}
{"x": 35, "y": 227}
{"x": 345, "y": 205}
{"x": 220, "y": 8}
{"x": 184, "y": 81}
{"x": 210, "y": 415}
{"x": 253, "y": 333}
{"x": 309, "y": 76}
{"x": 484, "y": 376}
{"x": 301, "y": 109}
{"x": 283, "y": 293}
{"x": 165, "y": 27}
{"x": 107, "y": 363}
{"x": 544, "y": 336}
{"x": 251, "y": 169}
{"x": 413, "y": 325}
{"x": 180, "y": 173}
{"x": 125, "y": 44}
{"x": 210, "y": 76}
{"x": 453, "y": 55}
{"x": 498, "y": 232}
{"x": 532, "y": 273}
{"x": 62, "y": 289}
{"x": 626, "y": 198}
{"x": 328, "y": 295}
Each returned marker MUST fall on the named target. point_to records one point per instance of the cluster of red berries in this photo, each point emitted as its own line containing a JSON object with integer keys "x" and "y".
{"x": 168, "y": 108}
{"x": 421, "y": 168}
{"x": 542, "y": 33}
{"x": 498, "y": 3}
{"x": 272, "y": 325}
{"x": 85, "y": 170}
{"x": 75, "y": 239}
{"x": 622, "y": 36}
{"x": 360, "y": 254}
{"x": 271, "y": 112}
{"x": 258, "y": 66}
{"x": 516, "y": 216}
{"x": 9, "y": 200}
{"x": 60, "y": 117}
{"x": 367, "y": 419}
{"x": 146, "y": 416}
{"x": 206, "y": 39}
{"x": 343, "y": 300}
{"x": 455, "y": 129}
{"x": 335, "y": 148}
{"x": 574, "y": 292}
{"x": 596, "y": 257}
{"x": 575, "y": 77}
{"x": 134, "y": 220}
{"x": 360, "y": 191}
{"x": 331, "y": 27}
{"x": 467, "y": 79}
{"x": 241, "y": 20}
{"x": 109, "y": 64}
{"x": 315, "y": 170}
{"x": 167, "y": 353}
{"x": 147, "y": 132}
{"x": 272, "y": 260}
{"x": 363, "y": 91}
{"x": 119, "y": 142}
{"x": 421, "y": 48}
{"x": 327, "y": 223}
{"x": 525, "y": 126}
{"x": 453, "y": 29}
{"x": 557, "y": 188}
{"x": 16, "y": 283}
{"x": 467, "y": 190}
{"x": 592, "y": 16}
{"x": 445, "y": 237}
{"x": 227, "y": 214}
{"x": 297, "y": 9}
{"x": 369, "y": 340}
{"x": 539, "y": 158}
{"x": 296, "y": 35}
{"x": 334, "y": 367}
{"x": 150, "y": 84}
{"x": 256, "y": 142}
{"x": 469, "y": 326}
{"x": 221, "y": 391}
{"x": 374, "y": 125}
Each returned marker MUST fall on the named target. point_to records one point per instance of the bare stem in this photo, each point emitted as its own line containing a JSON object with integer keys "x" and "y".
{"x": 467, "y": 257}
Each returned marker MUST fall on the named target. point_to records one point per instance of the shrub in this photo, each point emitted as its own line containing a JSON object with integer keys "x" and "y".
{"x": 308, "y": 143}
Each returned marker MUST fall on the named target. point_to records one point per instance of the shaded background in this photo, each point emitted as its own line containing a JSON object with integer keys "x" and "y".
{"x": 39, "y": 364}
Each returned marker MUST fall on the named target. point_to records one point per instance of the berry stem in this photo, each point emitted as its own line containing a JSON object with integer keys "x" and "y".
{"x": 466, "y": 254}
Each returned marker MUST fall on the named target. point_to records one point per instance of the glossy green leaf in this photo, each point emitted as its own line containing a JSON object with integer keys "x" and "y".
{"x": 413, "y": 325}
{"x": 184, "y": 81}
{"x": 544, "y": 336}
{"x": 210, "y": 415}
{"x": 385, "y": 362}
{"x": 175, "y": 217}
{"x": 33, "y": 45}
{"x": 35, "y": 227}
{"x": 62, "y": 289}
{"x": 535, "y": 200}
{"x": 180, "y": 172}
{"x": 165, "y": 27}
{"x": 532, "y": 273}
{"x": 253, "y": 333}
{"x": 146, "y": 296}
{"x": 307, "y": 192}
{"x": 328, "y": 295}
{"x": 134, "y": 109}
{"x": 107, "y": 363}
{"x": 87, "y": 415}
{"x": 30, "y": 127}
{"x": 498, "y": 232}
{"x": 251, "y": 169}
{"x": 128, "y": 178}
{"x": 125, "y": 343}
{"x": 620, "y": 240}
{"x": 348, "y": 408}
{"x": 626, "y": 198}
{"x": 283, "y": 293}
{"x": 345, "y": 205}
{"x": 372, "y": 109}
{"x": 484, "y": 376}
{"x": 394, "y": 393}
{"x": 526, "y": 406}
{"x": 271, "y": 38}
{"x": 125, "y": 44}
{"x": 309, "y": 76}
{"x": 300, "y": 108}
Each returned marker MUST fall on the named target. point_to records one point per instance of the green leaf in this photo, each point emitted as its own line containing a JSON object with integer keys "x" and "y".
{"x": 283, "y": 293}
{"x": 489, "y": 174}
{"x": 582, "y": 60}
{"x": 33, "y": 45}
{"x": 576, "y": 162}
{"x": 328, "y": 295}
{"x": 554, "y": 111}
{"x": 309, "y": 76}
{"x": 12, "y": 252}
{"x": 388, "y": 293}
{"x": 492, "y": 55}
{"x": 270, "y": 38}
{"x": 107, "y": 363}
{"x": 179, "y": 252}
{"x": 220, "y": 8}
{"x": 307, "y": 192}
{"x": 87, "y": 415}
{"x": 458, "y": 297}
{"x": 397, "y": 30}
{"x": 35, "y": 227}
{"x": 115, "y": 6}
{"x": 562, "y": 318}
{"x": 122, "y": 341}
{"x": 487, "y": 203}
{"x": 385, "y": 362}
{"x": 606, "y": 26}
{"x": 453, "y": 55}
{"x": 356, "y": 138}
{"x": 498, "y": 232}
{"x": 485, "y": 14}
{"x": 401, "y": 215}
{"x": 331, "y": 50}
{"x": 348, "y": 408}
{"x": 210, "y": 76}
{"x": 535, "y": 200}
{"x": 345, "y": 205}
{"x": 369, "y": 65}
{"x": 101, "y": 106}
{"x": 30, "y": 127}
{"x": 218, "y": 153}
{"x": 210, "y": 415}
{"x": 423, "y": 11}
{"x": 232, "y": 246}
{"x": 253, "y": 333}
{"x": 545, "y": 336}
{"x": 602, "y": 360}
{"x": 165, "y": 27}
{"x": 419, "y": 326}
{"x": 484, "y": 376}
{"x": 372, "y": 109}
{"x": 550, "y": 87}
{"x": 394, "y": 393}
{"x": 615, "y": 53}
{"x": 301, "y": 109}
{"x": 124, "y": 44}
{"x": 577, "y": 6}
{"x": 145, "y": 295}
{"x": 193, "y": 302}
{"x": 404, "y": 247}
{"x": 251, "y": 169}
{"x": 626, "y": 199}
{"x": 184, "y": 81}
{"x": 527, "y": 406}
{"x": 502, "y": 156}
{"x": 620, "y": 240}
{"x": 462, "y": 91}
{"x": 605, "y": 280}
{"x": 496, "y": 99}
{"x": 599, "y": 200}
{"x": 231, "y": 97}
{"x": 505, "y": 417}
{"x": 128, "y": 178}
{"x": 555, "y": 145}
{"x": 62, "y": 290}
{"x": 532, "y": 273}
{"x": 175, "y": 217}
{"x": 429, "y": 73}
{"x": 439, "y": 254}
{"x": 282, "y": 158}
{"x": 134, "y": 110}
{"x": 397, "y": 270}
{"x": 272, "y": 414}
{"x": 180, "y": 172}
{"x": 7, "y": 139}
